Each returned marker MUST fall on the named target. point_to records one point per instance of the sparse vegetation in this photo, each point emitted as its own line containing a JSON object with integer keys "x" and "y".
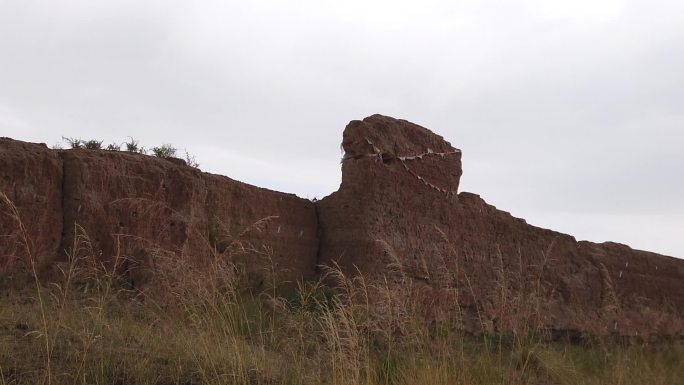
{"x": 205, "y": 326}
{"x": 164, "y": 151}
{"x": 191, "y": 160}
{"x": 132, "y": 145}
{"x": 92, "y": 144}
{"x": 73, "y": 142}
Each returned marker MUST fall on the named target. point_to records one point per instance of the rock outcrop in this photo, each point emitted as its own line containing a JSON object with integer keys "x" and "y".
{"x": 398, "y": 216}
{"x": 30, "y": 188}
{"x": 398, "y": 206}
{"x": 137, "y": 207}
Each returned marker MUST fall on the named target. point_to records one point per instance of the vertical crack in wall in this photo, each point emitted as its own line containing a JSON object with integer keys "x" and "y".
{"x": 61, "y": 251}
{"x": 319, "y": 237}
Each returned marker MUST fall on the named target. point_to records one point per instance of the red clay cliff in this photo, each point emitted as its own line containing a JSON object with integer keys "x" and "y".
{"x": 398, "y": 205}
{"x": 398, "y": 208}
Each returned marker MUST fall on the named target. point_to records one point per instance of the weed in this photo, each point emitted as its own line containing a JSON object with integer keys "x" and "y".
{"x": 134, "y": 146}
{"x": 190, "y": 160}
{"x": 73, "y": 142}
{"x": 164, "y": 151}
{"x": 92, "y": 144}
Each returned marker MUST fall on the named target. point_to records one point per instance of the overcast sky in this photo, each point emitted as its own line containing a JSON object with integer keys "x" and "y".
{"x": 569, "y": 113}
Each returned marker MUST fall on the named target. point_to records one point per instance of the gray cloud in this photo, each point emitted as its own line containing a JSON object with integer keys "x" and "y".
{"x": 569, "y": 112}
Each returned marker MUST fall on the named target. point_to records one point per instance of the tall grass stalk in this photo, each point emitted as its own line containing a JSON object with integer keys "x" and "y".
{"x": 28, "y": 246}
{"x": 198, "y": 322}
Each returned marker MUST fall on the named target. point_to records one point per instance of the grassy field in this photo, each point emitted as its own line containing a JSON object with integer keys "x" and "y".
{"x": 88, "y": 329}
{"x": 202, "y": 326}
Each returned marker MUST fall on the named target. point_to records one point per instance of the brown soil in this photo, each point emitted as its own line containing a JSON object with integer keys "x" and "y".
{"x": 398, "y": 215}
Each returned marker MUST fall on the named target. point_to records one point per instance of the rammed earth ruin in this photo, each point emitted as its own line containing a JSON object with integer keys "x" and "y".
{"x": 398, "y": 211}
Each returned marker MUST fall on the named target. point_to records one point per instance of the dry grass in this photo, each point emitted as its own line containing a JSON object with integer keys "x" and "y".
{"x": 200, "y": 326}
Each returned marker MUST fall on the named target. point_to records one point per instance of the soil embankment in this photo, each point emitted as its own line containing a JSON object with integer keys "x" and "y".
{"x": 397, "y": 214}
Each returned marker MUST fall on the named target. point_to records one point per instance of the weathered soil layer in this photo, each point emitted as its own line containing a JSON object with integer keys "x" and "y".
{"x": 141, "y": 207}
{"x": 397, "y": 205}
{"x": 398, "y": 216}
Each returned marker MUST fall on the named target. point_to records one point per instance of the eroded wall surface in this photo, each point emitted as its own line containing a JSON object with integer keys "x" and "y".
{"x": 31, "y": 179}
{"x": 398, "y": 206}
{"x": 398, "y": 216}
{"x": 148, "y": 210}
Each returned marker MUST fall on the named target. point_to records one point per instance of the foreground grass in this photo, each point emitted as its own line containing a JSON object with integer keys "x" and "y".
{"x": 212, "y": 334}
{"x": 200, "y": 326}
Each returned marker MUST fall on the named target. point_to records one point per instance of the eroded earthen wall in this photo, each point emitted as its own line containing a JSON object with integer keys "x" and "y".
{"x": 140, "y": 211}
{"x": 31, "y": 179}
{"x": 273, "y": 232}
{"x": 398, "y": 206}
{"x": 397, "y": 216}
